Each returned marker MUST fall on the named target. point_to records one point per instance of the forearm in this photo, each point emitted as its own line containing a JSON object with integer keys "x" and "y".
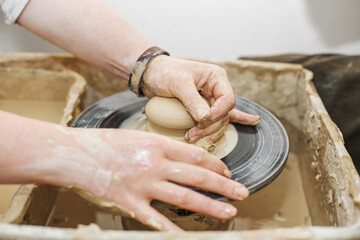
{"x": 33, "y": 151}
{"x": 89, "y": 29}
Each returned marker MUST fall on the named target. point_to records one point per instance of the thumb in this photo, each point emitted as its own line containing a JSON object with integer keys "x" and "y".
{"x": 197, "y": 106}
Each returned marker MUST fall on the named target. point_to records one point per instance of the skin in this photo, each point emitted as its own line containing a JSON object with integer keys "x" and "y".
{"x": 125, "y": 167}
{"x": 118, "y": 46}
{"x": 191, "y": 81}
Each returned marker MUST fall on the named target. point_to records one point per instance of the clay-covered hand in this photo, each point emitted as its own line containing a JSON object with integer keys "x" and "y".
{"x": 189, "y": 81}
{"x": 128, "y": 169}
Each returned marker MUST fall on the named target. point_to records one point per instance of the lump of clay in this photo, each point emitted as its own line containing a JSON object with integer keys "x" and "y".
{"x": 168, "y": 117}
{"x": 168, "y": 113}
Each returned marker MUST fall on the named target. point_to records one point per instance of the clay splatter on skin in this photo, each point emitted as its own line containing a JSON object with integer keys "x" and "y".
{"x": 141, "y": 157}
{"x": 91, "y": 141}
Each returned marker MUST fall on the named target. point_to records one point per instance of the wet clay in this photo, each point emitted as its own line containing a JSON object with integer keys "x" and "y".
{"x": 50, "y": 111}
{"x": 169, "y": 117}
{"x": 281, "y": 204}
{"x": 168, "y": 113}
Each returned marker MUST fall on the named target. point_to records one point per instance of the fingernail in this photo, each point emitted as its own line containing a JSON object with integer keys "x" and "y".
{"x": 255, "y": 120}
{"x": 213, "y": 117}
{"x": 209, "y": 139}
{"x": 241, "y": 193}
{"x": 228, "y": 173}
{"x": 194, "y": 139}
{"x": 229, "y": 212}
{"x": 225, "y": 120}
{"x": 186, "y": 137}
{"x": 202, "y": 113}
{"x": 192, "y": 133}
{"x": 201, "y": 125}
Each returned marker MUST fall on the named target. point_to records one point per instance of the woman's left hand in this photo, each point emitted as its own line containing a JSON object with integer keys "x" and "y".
{"x": 189, "y": 81}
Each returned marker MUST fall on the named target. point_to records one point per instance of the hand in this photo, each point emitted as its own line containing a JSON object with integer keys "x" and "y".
{"x": 131, "y": 168}
{"x": 189, "y": 81}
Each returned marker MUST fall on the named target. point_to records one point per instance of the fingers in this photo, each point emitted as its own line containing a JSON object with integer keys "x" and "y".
{"x": 220, "y": 94}
{"x": 182, "y": 152}
{"x": 193, "y": 201}
{"x": 193, "y": 102}
{"x": 153, "y": 219}
{"x": 222, "y": 106}
{"x": 195, "y": 133}
{"x": 204, "y": 179}
{"x": 213, "y": 138}
{"x": 215, "y": 131}
{"x": 238, "y": 116}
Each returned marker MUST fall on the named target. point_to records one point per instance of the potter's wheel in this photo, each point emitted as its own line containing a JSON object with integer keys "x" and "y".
{"x": 259, "y": 155}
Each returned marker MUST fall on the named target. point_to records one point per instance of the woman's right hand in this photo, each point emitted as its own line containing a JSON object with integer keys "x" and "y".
{"x": 131, "y": 168}
{"x": 125, "y": 168}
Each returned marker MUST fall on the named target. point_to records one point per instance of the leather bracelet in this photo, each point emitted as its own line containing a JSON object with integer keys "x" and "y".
{"x": 140, "y": 67}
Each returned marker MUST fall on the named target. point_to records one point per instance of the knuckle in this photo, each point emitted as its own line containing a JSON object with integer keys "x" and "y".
{"x": 167, "y": 144}
{"x": 182, "y": 197}
{"x": 219, "y": 70}
{"x": 197, "y": 155}
{"x": 216, "y": 72}
{"x": 162, "y": 141}
{"x": 199, "y": 178}
{"x": 160, "y": 167}
{"x": 214, "y": 205}
{"x": 229, "y": 187}
{"x": 226, "y": 120}
{"x": 232, "y": 101}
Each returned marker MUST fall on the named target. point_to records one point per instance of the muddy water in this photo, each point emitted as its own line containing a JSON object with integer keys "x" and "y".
{"x": 50, "y": 111}
{"x": 281, "y": 204}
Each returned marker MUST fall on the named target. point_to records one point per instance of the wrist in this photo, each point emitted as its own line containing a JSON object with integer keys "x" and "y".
{"x": 54, "y": 164}
{"x": 122, "y": 66}
{"x": 141, "y": 65}
{"x": 73, "y": 161}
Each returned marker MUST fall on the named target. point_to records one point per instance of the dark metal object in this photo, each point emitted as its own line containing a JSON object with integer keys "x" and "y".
{"x": 258, "y": 158}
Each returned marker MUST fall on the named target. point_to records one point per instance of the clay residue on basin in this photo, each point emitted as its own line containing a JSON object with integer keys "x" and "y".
{"x": 50, "y": 111}
{"x": 7, "y": 192}
{"x": 282, "y": 204}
